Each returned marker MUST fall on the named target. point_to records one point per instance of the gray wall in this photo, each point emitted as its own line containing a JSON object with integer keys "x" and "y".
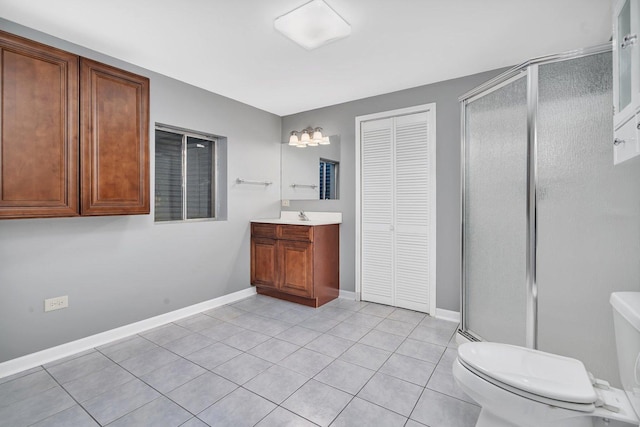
{"x": 340, "y": 120}
{"x": 119, "y": 270}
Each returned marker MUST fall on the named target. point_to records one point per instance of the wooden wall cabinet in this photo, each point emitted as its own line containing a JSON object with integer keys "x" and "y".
{"x": 297, "y": 263}
{"x": 39, "y": 130}
{"x": 48, "y": 98}
{"x": 114, "y": 141}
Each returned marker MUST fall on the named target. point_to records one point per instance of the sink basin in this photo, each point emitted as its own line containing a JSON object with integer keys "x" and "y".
{"x": 315, "y": 218}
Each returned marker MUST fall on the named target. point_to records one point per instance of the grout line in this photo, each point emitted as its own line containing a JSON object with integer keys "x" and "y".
{"x": 139, "y": 407}
{"x": 68, "y": 394}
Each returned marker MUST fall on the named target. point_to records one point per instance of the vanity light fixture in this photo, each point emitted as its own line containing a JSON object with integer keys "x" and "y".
{"x": 312, "y": 25}
{"x": 311, "y": 137}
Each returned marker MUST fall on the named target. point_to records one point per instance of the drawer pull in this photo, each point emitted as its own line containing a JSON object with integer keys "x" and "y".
{"x": 618, "y": 141}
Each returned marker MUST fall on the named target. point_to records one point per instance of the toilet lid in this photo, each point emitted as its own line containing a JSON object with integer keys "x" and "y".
{"x": 544, "y": 374}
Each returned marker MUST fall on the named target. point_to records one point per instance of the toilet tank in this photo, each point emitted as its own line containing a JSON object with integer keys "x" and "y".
{"x": 626, "y": 322}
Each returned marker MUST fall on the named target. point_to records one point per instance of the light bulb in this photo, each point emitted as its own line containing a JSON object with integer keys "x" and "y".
{"x": 293, "y": 139}
{"x": 317, "y": 135}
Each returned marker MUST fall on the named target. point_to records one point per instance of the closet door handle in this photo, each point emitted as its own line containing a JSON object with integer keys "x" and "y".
{"x": 392, "y": 228}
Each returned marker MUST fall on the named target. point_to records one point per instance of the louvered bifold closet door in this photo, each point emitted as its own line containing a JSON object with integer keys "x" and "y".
{"x": 412, "y": 211}
{"x": 377, "y": 211}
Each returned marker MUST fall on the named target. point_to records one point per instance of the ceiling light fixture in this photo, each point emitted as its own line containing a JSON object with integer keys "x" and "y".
{"x": 312, "y": 25}
{"x": 311, "y": 137}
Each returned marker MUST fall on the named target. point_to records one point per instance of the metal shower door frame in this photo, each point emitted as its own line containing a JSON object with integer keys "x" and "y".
{"x": 528, "y": 70}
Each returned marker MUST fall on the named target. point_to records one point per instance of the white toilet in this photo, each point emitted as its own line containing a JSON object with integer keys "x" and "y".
{"x": 520, "y": 387}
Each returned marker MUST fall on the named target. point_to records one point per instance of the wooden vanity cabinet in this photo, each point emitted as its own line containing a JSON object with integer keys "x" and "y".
{"x": 297, "y": 263}
{"x": 74, "y": 134}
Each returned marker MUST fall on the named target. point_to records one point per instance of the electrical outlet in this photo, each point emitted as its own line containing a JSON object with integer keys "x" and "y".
{"x": 56, "y": 303}
{"x": 285, "y": 203}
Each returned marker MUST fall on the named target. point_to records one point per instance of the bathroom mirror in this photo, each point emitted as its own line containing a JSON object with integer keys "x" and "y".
{"x": 311, "y": 173}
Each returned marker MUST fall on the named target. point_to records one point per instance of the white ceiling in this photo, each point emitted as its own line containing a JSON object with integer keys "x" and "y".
{"x": 231, "y": 48}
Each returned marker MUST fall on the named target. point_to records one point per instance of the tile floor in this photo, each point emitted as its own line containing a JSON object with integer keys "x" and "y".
{"x": 259, "y": 361}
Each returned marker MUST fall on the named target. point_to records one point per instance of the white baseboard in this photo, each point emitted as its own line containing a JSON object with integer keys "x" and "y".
{"x": 32, "y": 360}
{"x": 347, "y": 295}
{"x": 452, "y": 316}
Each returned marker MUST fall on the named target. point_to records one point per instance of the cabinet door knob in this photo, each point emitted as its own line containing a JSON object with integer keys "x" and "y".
{"x": 628, "y": 40}
{"x": 618, "y": 141}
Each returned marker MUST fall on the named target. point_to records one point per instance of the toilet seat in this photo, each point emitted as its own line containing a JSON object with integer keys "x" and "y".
{"x": 547, "y": 378}
{"x": 581, "y": 407}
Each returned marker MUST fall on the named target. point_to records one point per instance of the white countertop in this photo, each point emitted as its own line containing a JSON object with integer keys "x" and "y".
{"x": 315, "y": 218}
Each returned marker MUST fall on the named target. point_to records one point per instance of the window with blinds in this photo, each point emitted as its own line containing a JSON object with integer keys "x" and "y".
{"x": 185, "y": 175}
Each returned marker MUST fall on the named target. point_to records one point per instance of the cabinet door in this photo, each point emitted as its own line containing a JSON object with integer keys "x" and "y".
{"x": 114, "y": 140}
{"x": 626, "y": 59}
{"x": 39, "y": 130}
{"x": 623, "y": 47}
{"x": 264, "y": 262}
{"x": 296, "y": 267}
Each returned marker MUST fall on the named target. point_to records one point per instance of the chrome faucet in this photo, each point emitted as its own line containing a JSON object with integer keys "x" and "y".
{"x": 302, "y": 216}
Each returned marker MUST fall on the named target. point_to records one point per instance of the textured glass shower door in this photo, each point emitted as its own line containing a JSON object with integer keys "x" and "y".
{"x": 495, "y": 213}
{"x": 588, "y": 210}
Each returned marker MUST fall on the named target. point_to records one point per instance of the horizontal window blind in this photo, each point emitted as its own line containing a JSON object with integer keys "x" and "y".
{"x": 199, "y": 178}
{"x": 168, "y": 198}
{"x": 185, "y": 172}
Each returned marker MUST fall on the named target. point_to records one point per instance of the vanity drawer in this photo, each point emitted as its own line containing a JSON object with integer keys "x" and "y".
{"x": 263, "y": 230}
{"x": 302, "y": 233}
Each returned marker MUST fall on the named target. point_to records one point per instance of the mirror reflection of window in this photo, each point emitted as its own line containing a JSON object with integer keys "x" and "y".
{"x": 328, "y": 179}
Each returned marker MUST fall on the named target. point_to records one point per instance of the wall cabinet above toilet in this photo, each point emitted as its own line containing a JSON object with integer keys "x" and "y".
{"x": 626, "y": 81}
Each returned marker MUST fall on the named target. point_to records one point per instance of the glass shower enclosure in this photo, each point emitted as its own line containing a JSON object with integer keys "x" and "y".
{"x": 549, "y": 225}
